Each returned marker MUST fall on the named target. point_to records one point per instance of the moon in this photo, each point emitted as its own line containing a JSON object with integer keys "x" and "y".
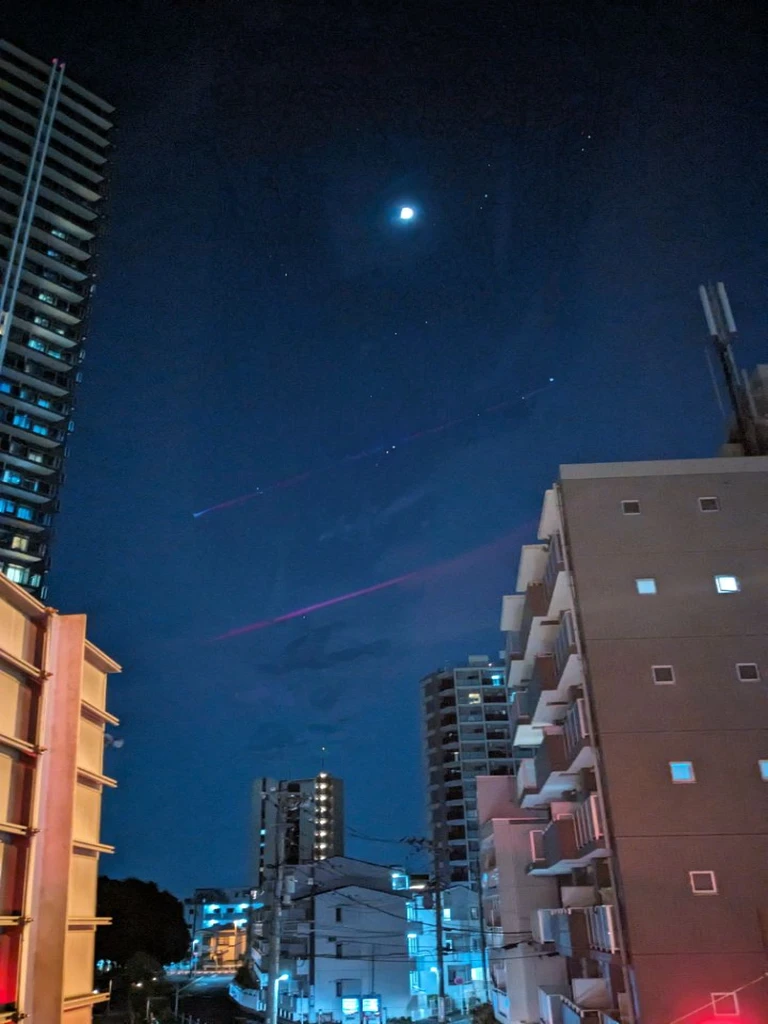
{"x": 407, "y": 213}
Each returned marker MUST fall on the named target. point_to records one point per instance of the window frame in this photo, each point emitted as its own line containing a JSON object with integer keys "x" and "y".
{"x": 751, "y": 664}
{"x": 646, "y": 579}
{"x": 703, "y": 892}
{"x": 717, "y": 997}
{"x": 682, "y": 782}
{"x": 630, "y": 512}
{"x": 721, "y": 576}
{"x": 709, "y": 497}
{"x": 663, "y": 682}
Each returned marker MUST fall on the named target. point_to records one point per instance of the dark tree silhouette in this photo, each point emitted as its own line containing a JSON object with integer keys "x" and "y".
{"x": 145, "y": 920}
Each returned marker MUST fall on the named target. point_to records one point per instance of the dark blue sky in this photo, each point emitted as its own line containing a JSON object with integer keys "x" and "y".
{"x": 579, "y": 168}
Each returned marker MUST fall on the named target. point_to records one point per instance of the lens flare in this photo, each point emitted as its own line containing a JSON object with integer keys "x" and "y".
{"x": 368, "y": 453}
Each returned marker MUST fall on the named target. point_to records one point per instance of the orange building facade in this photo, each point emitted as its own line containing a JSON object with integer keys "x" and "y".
{"x": 53, "y": 716}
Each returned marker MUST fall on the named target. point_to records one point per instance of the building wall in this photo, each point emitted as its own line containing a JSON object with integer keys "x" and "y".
{"x": 682, "y": 946}
{"x": 52, "y": 722}
{"x": 47, "y": 313}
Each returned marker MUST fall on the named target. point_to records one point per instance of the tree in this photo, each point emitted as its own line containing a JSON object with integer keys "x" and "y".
{"x": 483, "y": 1014}
{"x": 145, "y": 920}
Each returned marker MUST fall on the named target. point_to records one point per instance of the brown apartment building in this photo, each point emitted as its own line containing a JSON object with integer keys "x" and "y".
{"x": 625, "y": 868}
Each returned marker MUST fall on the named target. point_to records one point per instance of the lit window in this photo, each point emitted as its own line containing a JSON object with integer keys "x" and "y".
{"x": 7, "y": 506}
{"x": 663, "y": 675}
{"x": 646, "y": 585}
{"x": 703, "y": 883}
{"x": 46, "y": 297}
{"x": 725, "y": 1004}
{"x": 36, "y": 344}
{"x": 24, "y": 513}
{"x": 38, "y": 428}
{"x": 630, "y": 508}
{"x": 748, "y": 672}
{"x": 762, "y": 764}
{"x": 21, "y": 420}
{"x": 727, "y": 584}
{"x": 709, "y": 504}
{"x": 682, "y": 771}
{"x": 58, "y": 234}
{"x": 6, "y": 387}
{"x": 20, "y": 542}
{"x": 17, "y": 573}
{"x": 474, "y": 698}
{"x": 10, "y": 476}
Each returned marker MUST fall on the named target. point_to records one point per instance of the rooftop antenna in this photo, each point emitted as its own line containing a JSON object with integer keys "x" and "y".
{"x": 722, "y": 333}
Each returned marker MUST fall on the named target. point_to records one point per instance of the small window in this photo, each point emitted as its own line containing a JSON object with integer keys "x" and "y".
{"x": 748, "y": 672}
{"x": 682, "y": 771}
{"x": 646, "y": 585}
{"x": 725, "y": 1004}
{"x": 703, "y": 883}
{"x": 630, "y": 508}
{"x": 338, "y": 915}
{"x": 727, "y": 584}
{"x": 709, "y": 504}
{"x": 663, "y": 675}
{"x": 474, "y": 698}
{"x": 762, "y": 764}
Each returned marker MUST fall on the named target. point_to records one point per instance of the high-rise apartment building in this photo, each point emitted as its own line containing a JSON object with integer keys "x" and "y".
{"x": 53, "y": 716}
{"x": 467, "y": 733}
{"x": 633, "y": 846}
{"x": 53, "y": 157}
{"x": 313, "y": 822}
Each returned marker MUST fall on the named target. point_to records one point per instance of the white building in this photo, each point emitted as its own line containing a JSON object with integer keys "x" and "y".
{"x": 218, "y": 922}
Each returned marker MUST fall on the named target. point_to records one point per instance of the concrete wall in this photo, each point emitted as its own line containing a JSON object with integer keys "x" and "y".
{"x": 682, "y": 946}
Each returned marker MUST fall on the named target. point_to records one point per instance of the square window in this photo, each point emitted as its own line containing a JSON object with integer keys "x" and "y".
{"x": 646, "y": 585}
{"x": 630, "y": 508}
{"x": 709, "y": 504}
{"x": 703, "y": 883}
{"x": 762, "y": 764}
{"x": 727, "y": 584}
{"x": 663, "y": 675}
{"x": 748, "y": 672}
{"x": 682, "y": 771}
{"x": 725, "y": 1004}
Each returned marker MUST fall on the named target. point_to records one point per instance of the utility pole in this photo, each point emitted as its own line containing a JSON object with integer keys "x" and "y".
{"x": 275, "y": 917}
{"x": 436, "y": 867}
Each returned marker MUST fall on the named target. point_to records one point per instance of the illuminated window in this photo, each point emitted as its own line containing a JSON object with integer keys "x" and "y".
{"x": 727, "y": 584}
{"x": 703, "y": 883}
{"x": 682, "y": 771}
{"x": 725, "y": 1004}
{"x": 762, "y": 764}
{"x": 17, "y": 573}
{"x": 663, "y": 675}
{"x": 748, "y": 672}
{"x": 7, "y": 506}
{"x": 10, "y": 476}
{"x": 24, "y": 513}
{"x": 646, "y": 585}
{"x": 630, "y": 508}
{"x": 20, "y": 542}
{"x": 46, "y": 297}
{"x": 709, "y": 504}
{"x": 474, "y": 698}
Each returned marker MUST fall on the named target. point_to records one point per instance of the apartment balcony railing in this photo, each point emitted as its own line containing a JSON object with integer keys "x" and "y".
{"x": 525, "y": 779}
{"x": 550, "y": 758}
{"x": 555, "y": 565}
{"x": 571, "y": 1013}
{"x": 576, "y": 732}
{"x": 519, "y": 709}
{"x": 565, "y": 646}
{"x": 602, "y": 928}
{"x": 590, "y": 830}
{"x": 535, "y": 606}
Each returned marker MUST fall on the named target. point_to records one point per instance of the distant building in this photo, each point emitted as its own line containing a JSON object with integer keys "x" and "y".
{"x": 358, "y": 946}
{"x": 54, "y": 149}
{"x": 53, "y": 716}
{"x": 218, "y": 921}
{"x": 632, "y": 847}
{"x": 467, "y": 733}
{"x": 314, "y": 827}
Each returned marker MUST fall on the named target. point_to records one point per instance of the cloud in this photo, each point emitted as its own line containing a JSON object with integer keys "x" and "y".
{"x": 309, "y": 653}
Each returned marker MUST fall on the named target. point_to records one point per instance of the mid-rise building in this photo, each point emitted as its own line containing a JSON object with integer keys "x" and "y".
{"x": 312, "y": 824}
{"x": 218, "y": 921}
{"x": 54, "y": 150}
{"x": 53, "y": 716}
{"x": 466, "y": 734}
{"x": 631, "y": 850}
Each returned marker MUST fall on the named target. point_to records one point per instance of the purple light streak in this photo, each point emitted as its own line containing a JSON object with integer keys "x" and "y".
{"x": 368, "y": 453}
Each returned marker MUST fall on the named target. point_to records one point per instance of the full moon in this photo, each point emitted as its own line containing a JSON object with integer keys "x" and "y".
{"x": 407, "y": 213}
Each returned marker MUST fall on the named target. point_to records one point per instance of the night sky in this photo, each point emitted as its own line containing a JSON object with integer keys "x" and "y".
{"x": 577, "y": 170}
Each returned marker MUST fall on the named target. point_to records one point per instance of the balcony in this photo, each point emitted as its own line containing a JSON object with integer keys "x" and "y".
{"x": 567, "y": 661}
{"x": 578, "y": 749}
{"x": 535, "y": 606}
{"x": 554, "y": 567}
{"x": 558, "y": 849}
{"x": 590, "y": 830}
{"x": 546, "y": 704}
{"x": 602, "y": 928}
{"x": 565, "y": 929}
